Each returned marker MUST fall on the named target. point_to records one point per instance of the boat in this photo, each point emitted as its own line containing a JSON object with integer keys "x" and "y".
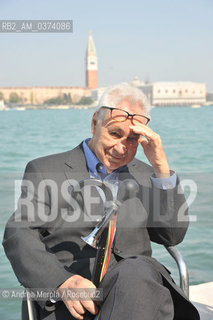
{"x": 195, "y": 106}
{"x": 2, "y": 106}
{"x": 20, "y": 108}
{"x": 201, "y": 296}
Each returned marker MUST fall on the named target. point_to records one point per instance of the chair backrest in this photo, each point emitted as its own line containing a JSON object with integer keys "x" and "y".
{"x": 182, "y": 268}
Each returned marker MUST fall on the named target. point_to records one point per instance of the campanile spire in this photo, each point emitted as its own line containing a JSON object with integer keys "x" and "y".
{"x": 91, "y": 64}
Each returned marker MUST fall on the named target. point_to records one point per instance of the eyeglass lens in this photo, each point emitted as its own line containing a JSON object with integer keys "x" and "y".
{"x": 122, "y": 115}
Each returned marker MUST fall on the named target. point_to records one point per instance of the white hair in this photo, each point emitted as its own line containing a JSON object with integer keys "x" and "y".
{"x": 118, "y": 93}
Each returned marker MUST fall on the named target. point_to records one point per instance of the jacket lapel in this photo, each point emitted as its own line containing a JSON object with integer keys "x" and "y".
{"x": 75, "y": 165}
{"x": 75, "y": 171}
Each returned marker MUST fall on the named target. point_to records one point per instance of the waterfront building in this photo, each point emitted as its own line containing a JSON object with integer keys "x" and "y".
{"x": 158, "y": 93}
{"x": 38, "y": 95}
{"x": 91, "y": 64}
{"x": 166, "y": 93}
{"x": 175, "y": 93}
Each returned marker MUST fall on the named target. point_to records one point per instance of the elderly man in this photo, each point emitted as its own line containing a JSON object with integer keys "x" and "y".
{"x": 43, "y": 238}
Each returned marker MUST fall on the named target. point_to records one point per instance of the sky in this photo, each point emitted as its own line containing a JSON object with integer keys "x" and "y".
{"x": 155, "y": 40}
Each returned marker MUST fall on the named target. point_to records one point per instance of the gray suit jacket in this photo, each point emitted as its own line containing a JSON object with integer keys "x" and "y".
{"x": 43, "y": 237}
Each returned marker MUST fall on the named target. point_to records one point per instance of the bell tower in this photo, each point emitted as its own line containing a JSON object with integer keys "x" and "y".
{"x": 91, "y": 64}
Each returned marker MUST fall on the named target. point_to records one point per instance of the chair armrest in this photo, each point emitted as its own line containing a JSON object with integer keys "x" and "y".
{"x": 29, "y": 306}
{"x": 182, "y": 268}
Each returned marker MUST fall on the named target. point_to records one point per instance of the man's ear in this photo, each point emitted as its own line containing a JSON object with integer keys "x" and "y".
{"x": 94, "y": 122}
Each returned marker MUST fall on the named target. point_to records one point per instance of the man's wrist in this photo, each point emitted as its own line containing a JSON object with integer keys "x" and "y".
{"x": 162, "y": 171}
{"x": 162, "y": 175}
{"x": 165, "y": 183}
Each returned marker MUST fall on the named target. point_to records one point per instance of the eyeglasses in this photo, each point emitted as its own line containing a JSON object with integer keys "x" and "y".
{"x": 122, "y": 115}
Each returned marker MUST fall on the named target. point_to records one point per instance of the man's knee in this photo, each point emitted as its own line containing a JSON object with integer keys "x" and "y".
{"x": 135, "y": 285}
{"x": 138, "y": 269}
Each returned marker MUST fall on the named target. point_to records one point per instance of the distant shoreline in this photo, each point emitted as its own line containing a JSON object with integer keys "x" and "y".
{"x": 67, "y": 107}
{"x": 45, "y": 107}
{"x": 22, "y": 107}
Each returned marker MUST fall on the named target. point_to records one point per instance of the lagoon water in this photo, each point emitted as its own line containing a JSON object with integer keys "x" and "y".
{"x": 187, "y": 136}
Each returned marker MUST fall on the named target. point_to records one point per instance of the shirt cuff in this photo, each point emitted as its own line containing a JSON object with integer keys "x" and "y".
{"x": 165, "y": 183}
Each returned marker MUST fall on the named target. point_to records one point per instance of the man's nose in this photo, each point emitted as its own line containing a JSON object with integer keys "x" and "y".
{"x": 120, "y": 148}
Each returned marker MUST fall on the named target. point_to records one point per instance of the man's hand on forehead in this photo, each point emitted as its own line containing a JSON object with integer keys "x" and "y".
{"x": 153, "y": 149}
{"x": 143, "y": 131}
